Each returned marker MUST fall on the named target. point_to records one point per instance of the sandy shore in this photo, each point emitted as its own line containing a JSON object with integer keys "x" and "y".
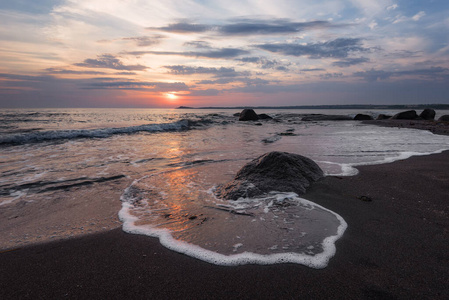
{"x": 435, "y": 127}
{"x": 396, "y": 247}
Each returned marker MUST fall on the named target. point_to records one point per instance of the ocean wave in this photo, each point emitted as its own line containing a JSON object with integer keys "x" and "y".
{"x": 42, "y": 136}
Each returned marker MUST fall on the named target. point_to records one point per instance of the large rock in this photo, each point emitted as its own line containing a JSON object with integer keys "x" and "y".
{"x": 273, "y": 171}
{"x": 427, "y": 114}
{"x": 363, "y": 117}
{"x": 383, "y": 117}
{"x": 406, "y": 115}
{"x": 320, "y": 117}
{"x": 444, "y": 118}
{"x": 264, "y": 117}
{"x": 248, "y": 115}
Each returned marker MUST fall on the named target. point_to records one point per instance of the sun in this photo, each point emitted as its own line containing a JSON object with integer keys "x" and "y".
{"x": 171, "y": 96}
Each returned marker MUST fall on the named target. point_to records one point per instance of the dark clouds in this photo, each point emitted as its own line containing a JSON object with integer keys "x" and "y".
{"x": 144, "y": 41}
{"x": 213, "y": 53}
{"x": 266, "y": 63}
{"x": 109, "y": 61}
{"x": 217, "y": 72}
{"x": 244, "y": 27}
{"x": 338, "y": 48}
{"x": 347, "y": 62}
{"x": 433, "y": 73}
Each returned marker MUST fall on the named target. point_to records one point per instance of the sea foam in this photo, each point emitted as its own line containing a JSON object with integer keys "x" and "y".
{"x": 279, "y": 228}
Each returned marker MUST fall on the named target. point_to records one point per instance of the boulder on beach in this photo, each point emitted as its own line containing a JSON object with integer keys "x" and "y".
{"x": 383, "y": 117}
{"x": 406, "y": 115}
{"x": 264, "y": 117}
{"x": 363, "y": 117}
{"x": 248, "y": 115}
{"x": 273, "y": 171}
{"x": 428, "y": 114}
{"x": 444, "y": 118}
{"x": 319, "y": 117}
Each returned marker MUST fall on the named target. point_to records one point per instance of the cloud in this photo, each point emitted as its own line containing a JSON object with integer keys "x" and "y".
{"x": 213, "y": 53}
{"x": 144, "y": 41}
{"x": 347, "y": 62}
{"x": 433, "y": 73}
{"x": 67, "y": 71}
{"x": 217, "y": 72}
{"x": 338, "y": 48}
{"x": 418, "y": 16}
{"x": 392, "y": 7}
{"x": 139, "y": 85}
{"x": 245, "y": 27}
{"x": 266, "y": 63}
{"x": 312, "y": 70}
{"x": 108, "y": 61}
{"x": 331, "y": 75}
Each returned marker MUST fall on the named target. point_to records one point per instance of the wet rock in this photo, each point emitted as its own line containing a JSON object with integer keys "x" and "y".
{"x": 406, "y": 115}
{"x": 264, "y": 117}
{"x": 383, "y": 117}
{"x": 444, "y": 118}
{"x": 428, "y": 114}
{"x": 248, "y": 115}
{"x": 326, "y": 118}
{"x": 273, "y": 171}
{"x": 362, "y": 117}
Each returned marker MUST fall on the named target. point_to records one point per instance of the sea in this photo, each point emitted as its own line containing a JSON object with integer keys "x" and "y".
{"x": 175, "y": 158}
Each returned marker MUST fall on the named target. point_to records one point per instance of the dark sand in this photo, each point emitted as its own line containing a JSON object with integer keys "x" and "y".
{"x": 396, "y": 247}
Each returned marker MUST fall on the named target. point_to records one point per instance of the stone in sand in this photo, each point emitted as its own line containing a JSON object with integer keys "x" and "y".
{"x": 363, "y": 117}
{"x": 444, "y": 118}
{"x": 248, "y": 115}
{"x": 428, "y": 114}
{"x": 406, "y": 115}
{"x": 273, "y": 171}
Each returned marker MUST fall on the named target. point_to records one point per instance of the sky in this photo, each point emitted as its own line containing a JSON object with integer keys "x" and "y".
{"x": 139, "y": 53}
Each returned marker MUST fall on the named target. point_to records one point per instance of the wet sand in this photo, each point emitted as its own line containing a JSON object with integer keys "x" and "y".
{"x": 436, "y": 127}
{"x": 395, "y": 247}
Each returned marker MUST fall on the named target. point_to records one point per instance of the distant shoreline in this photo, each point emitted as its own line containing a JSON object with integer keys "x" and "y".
{"x": 349, "y": 106}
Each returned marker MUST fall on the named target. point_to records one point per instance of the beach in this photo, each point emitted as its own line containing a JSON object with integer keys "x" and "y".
{"x": 395, "y": 247}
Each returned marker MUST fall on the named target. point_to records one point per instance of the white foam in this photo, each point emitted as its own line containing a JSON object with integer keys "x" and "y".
{"x": 90, "y": 133}
{"x": 317, "y": 261}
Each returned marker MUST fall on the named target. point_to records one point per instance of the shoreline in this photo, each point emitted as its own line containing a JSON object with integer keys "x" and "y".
{"x": 435, "y": 127}
{"x": 395, "y": 247}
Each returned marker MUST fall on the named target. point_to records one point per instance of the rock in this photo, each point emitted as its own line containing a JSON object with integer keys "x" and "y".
{"x": 326, "y": 118}
{"x": 236, "y": 115}
{"x": 273, "y": 171}
{"x": 362, "y": 117}
{"x": 248, "y": 115}
{"x": 406, "y": 115}
{"x": 264, "y": 117}
{"x": 444, "y": 118}
{"x": 383, "y": 117}
{"x": 428, "y": 114}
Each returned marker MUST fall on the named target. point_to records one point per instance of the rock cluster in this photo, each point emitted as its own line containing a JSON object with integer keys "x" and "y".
{"x": 250, "y": 115}
{"x": 273, "y": 171}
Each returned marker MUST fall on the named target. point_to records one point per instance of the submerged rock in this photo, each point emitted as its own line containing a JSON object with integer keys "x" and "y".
{"x": 264, "y": 117}
{"x": 428, "y": 114}
{"x": 444, "y": 118}
{"x": 327, "y": 118}
{"x": 406, "y": 115}
{"x": 383, "y": 117}
{"x": 273, "y": 171}
{"x": 248, "y": 115}
{"x": 363, "y": 117}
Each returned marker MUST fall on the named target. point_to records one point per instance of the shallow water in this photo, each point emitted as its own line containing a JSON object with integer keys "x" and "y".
{"x": 176, "y": 157}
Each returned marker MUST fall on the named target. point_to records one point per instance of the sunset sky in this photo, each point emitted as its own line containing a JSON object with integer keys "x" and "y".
{"x": 164, "y": 53}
